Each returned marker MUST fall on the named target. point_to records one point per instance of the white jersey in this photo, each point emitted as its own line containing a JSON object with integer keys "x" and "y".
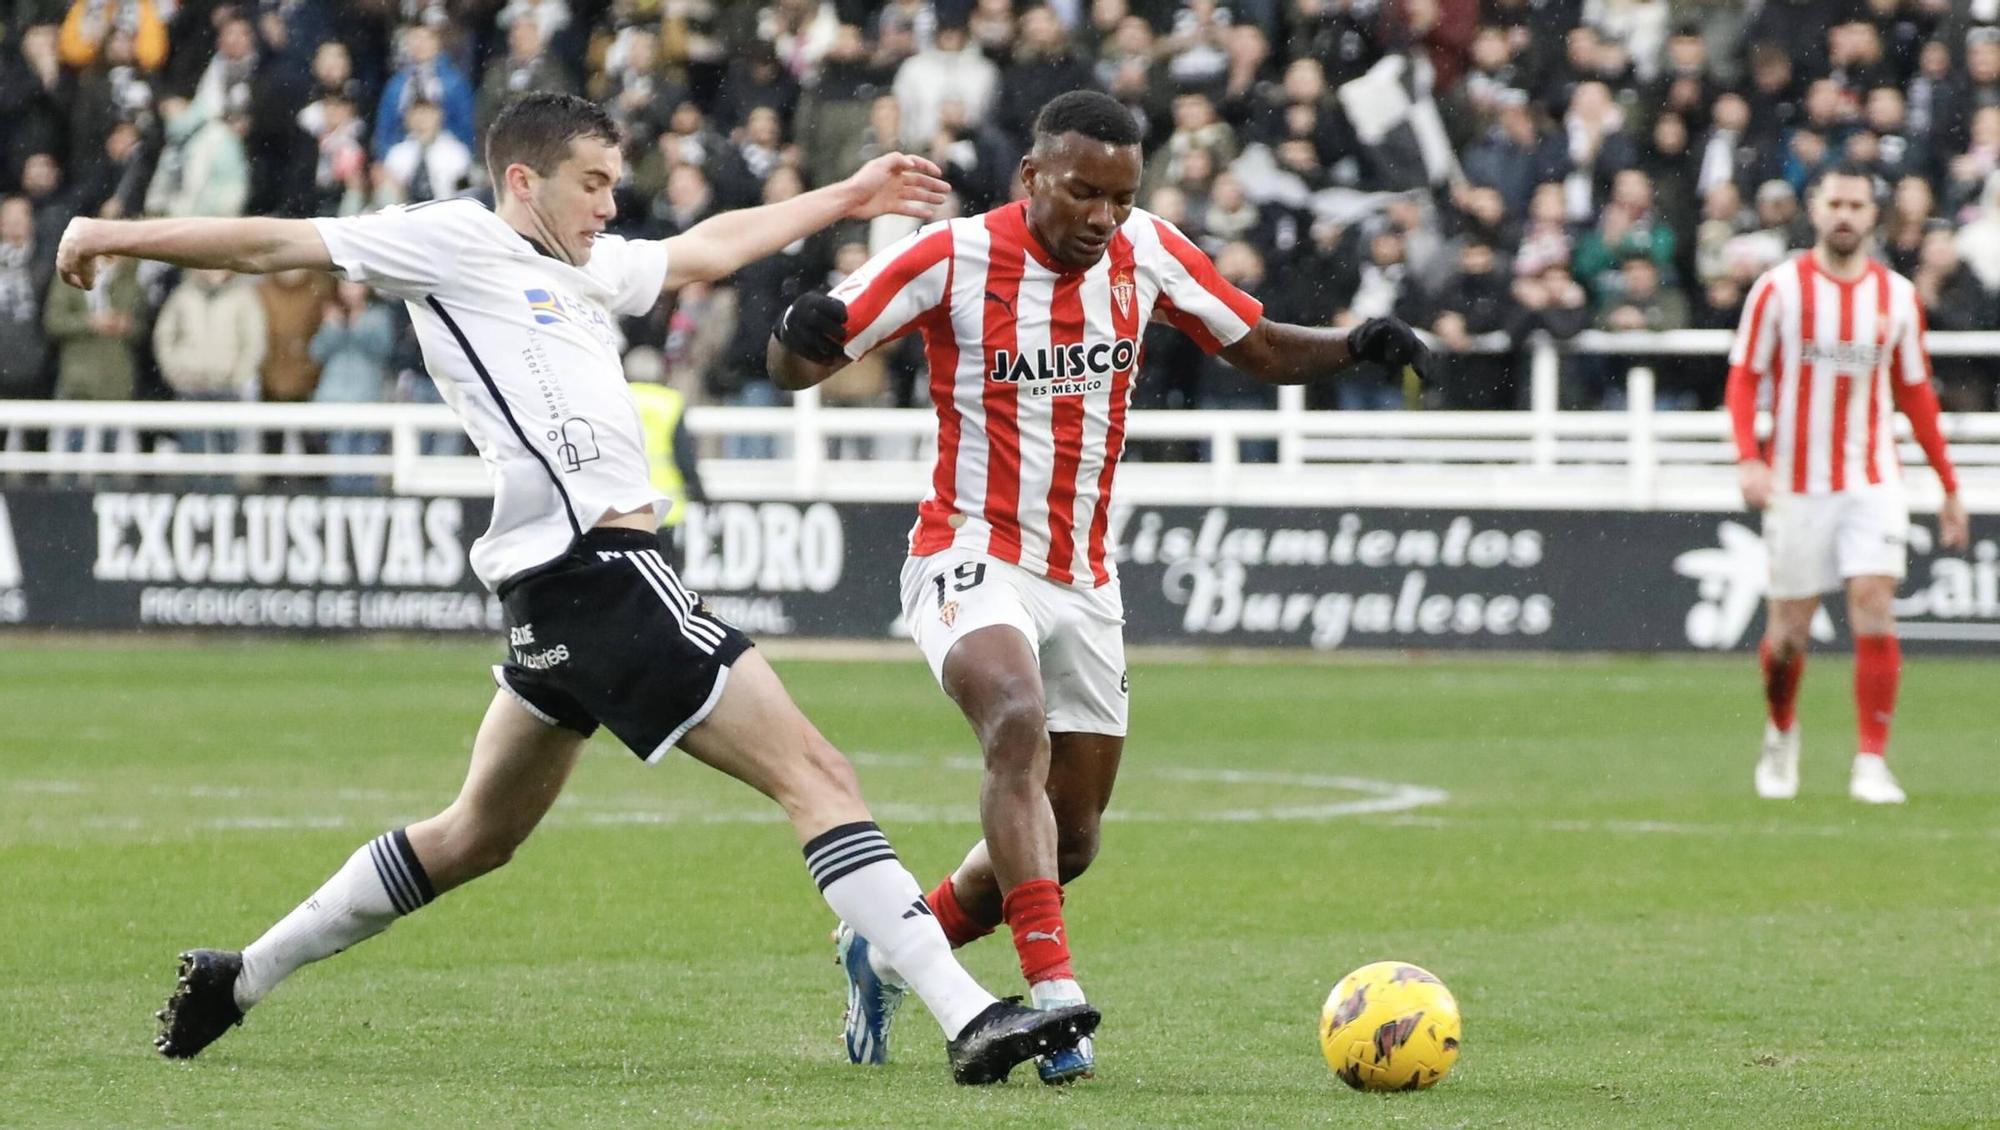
{"x": 524, "y": 348}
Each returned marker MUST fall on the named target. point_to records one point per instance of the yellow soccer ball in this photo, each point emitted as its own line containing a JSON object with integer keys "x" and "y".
{"x": 1390, "y": 1026}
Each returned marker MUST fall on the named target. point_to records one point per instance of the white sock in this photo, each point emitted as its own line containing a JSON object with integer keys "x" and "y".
{"x": 377, "y": 885}
{"x": 870, "y": 889}
{"x": 1055, "y": 993}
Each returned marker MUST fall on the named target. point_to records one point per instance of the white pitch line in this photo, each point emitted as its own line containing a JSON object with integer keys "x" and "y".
{"x": 1375, "y": 797}
{"x": 1677, "y": 828}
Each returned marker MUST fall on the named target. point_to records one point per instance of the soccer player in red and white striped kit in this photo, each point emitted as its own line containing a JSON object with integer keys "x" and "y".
{"x": 1031, "y": 317}
{"x": 1840, "y": 339}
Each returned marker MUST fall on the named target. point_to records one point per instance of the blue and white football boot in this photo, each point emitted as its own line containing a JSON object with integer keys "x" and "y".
{"x": 872, "y": 999}
{"x": 1068, "y": 1064}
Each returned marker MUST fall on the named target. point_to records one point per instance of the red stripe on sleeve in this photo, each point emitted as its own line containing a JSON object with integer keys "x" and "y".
{"x": 1741, "y": 394}
{"x": 1002, "y": 398}
{"x": 1125, "y": 324}
{"x": 1065, "y": 328}
{"x": 1802, "y": 404}
{"x": 934, "y": 530}
{"x": 874, "y": 298}
{"x": 1919, "y": 402}
{"x": 1202, "y": 270}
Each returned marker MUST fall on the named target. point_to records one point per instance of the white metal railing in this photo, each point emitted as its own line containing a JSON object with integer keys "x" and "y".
{"x": 1540, "y": 457}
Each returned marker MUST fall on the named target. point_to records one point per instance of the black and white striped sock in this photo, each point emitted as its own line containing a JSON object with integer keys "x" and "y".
{"x": 870, "y": 889}
{"x": 378, "y": 884}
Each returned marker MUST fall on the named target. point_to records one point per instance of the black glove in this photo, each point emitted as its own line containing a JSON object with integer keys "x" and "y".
{"x": 1390, "y": 342}
{"x": 814, "y": 327}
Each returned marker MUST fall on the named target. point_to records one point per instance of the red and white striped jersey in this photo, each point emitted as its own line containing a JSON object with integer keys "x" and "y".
{"x": 1031, "y": 373}
{"x": 1840, "y": 356}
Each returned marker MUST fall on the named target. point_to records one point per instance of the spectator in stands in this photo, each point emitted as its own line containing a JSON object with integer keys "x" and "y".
{"x": 756, "y": 79}
{"x": 1043, "y": 65}
{"x": 1723, "y": 218}
{"x": 1223, "y": 386}
{"x": 1906, "y": 221}
{"x": 1385, "y": 288}
{"x": 294, "y": 305}
{"x": 1516, "y": 155}
{"x": 1552, "y": 303}
{"x": 1729, "y": 152}
{"x": 1931, "y": 96}
{"x": 226, "y": 84}
{"x": 953, "y": 70}
{"x": 111, "y": 90}
{"x": 1599, "y": 147}
{"x": 429, "y": 163}
{"x": 763, "y": 290}
{"x": 1685, "y": 84}
{"x": 1198, "y": 129}
{"x": 1628, "y": 225}
{"x": 340, "y": 169}
{"x": 32, "y": 88}
{"x": 209, "y": 341}
{"x": 93, "y": 333}
{"x": 686, "y": 201}
{"x": 91, "y": 24}
{"x": 1639, "y": 301}
{"x": 203, "y": 170}
{"x": 526, "y": 66}
{"x": 1976, "y": 88}
{"x": 979, "y": 162}
{"x": 351, "y": 348}
{"x": 638, "y": 93}
{"x": 1979, "y": 240}
{"x": 1476, "y": 300}
{"x": 24, "y": 279}
{"x": 423, "y": 74}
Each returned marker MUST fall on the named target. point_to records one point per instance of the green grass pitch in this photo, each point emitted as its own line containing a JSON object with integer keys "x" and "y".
{"x": 1573, "y": 846}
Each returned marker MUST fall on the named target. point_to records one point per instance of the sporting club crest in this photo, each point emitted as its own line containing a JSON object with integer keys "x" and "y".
{"x": 1121, "y": 293}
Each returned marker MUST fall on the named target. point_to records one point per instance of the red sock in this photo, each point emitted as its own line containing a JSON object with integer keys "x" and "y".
{"x": 1034, "y": 911}
{"x": 959, "y": 927}
{"x": 1781, "y": 686}
{"x": 1878, "y": 668}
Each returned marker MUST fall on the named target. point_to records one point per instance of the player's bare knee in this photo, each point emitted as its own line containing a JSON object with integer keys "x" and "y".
{"x": 1076, "y": 849}
{"x": 1013, "y": 726}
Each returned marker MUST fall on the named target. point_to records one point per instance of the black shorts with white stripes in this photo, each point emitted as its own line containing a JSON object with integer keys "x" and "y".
{"x": 609, "y": 635}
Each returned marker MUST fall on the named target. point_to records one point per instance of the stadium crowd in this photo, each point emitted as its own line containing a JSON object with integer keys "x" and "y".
{"x": 1482, "y": 168}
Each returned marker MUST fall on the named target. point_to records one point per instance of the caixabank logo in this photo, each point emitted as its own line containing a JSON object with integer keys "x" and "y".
{"x": 13, "y": 597}
{"x": 1946, "y": 598}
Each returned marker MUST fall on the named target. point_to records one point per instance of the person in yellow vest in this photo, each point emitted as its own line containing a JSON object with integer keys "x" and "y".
{"x": 669, "y": 445}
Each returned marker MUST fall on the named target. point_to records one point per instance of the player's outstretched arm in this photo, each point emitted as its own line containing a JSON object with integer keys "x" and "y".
{"x": 1280, "y": 353}
{"x": 894, "y": 183}
{"x": 251, "y": 245}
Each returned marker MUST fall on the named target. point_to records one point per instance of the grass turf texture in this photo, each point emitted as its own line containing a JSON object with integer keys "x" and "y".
{"x": 1634, "y": 938}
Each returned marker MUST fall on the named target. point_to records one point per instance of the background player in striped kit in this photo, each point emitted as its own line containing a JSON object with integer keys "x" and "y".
{"x": 1031, "y": 317}
{"x": 1838, "y": 337}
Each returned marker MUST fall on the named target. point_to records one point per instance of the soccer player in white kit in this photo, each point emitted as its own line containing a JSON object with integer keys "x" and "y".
{"x": 513, "y": 308}
{"x": 1032, "y": 316}
{"x": 1839, "y": 339}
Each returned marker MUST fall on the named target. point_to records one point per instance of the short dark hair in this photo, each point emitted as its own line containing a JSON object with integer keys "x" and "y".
{"x": 1844, "y": 169}
{"x": 1093, "y": 114}
{"x": 535, "y": 130}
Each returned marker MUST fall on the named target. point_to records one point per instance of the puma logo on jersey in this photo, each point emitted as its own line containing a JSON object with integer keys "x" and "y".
{"x": 1064, "y": 362}
{"x": 1044, "y": 936}
{"x": 992, "y": 297}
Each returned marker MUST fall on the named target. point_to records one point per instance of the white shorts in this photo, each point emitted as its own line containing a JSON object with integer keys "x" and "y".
{"x": 1817, "y": 541}
{"x": 1078, "y": 633}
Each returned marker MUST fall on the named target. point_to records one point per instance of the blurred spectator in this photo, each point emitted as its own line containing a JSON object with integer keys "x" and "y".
{"x": 93, "y": 332}
{"x": 1516, "y": 155}
{"x": 1906, "y": 221}
{"x": 209, "y": 340}
{"x": 1197, "y": 46}
{"x": 1384, "y": 288}
{"x": 991, "y": 26}
{"x": 835, "y": 115}
{"x": 225, "y": 86}
{"x": 340, "y": 170}
{"x": 1729, "y": 153}
{"x": 90, "y": 24}
{"x": 428, "y": 164}
{"x": 1640, "y": 302}
{"x": 755, "y": 79}
{"x": 953, "y": 70}
{"x": 351, "y": 348}
{"x": 526, "y": 66}
{"x": 638, "y": 93}
{"x": 763, "y": 289}
{"x": 1200, "y": 138}
{"x": 1553, "y": 303}
{"x": 1954, "y": 299}
{"x": 24, "y": 279}
{"x": 1979, "y": 241}
{"x": 109, "y": 91}
{"x": 203, "y": 170}
{"x": 1043, "y": 66}
{"x": 1628, "y": 225}
{"x": 801, "y": 33}
{"x": 423, "y": 74}
{"x": 1723, "y": 218}
{"x": 1599, "y": 147}
{"x": 980, "y": 163}
{"x": 686, "y": 201}
{"x": 294, "y": 307}
{"x": 1476, "y": 300}
{"x": 1223, "y": 386}
{"x": 1546, "y": 240}
{"x": 41, "y": 183}
{"x": 32, "y": 89}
